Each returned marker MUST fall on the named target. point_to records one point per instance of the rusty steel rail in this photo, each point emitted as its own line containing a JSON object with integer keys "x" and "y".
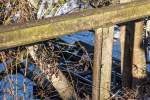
{"x": 36, "y": 31}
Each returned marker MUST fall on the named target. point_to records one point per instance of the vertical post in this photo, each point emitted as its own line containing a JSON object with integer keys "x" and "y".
{"x": 127, "y": 37}
{"x": 122, "y": 44}
{"x": 106, "y": 67}
{"x": 133, "y": 61}
{"x": 122, "y": 38}
{"x": 97, "y": 64}
{"x": 102, "y": 63}
{"x": 139, "y": 59}
{"x": 126, "y": 41}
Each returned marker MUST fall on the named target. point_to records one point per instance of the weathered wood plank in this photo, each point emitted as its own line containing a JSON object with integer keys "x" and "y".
{"x": 16, "y": 35}
{"x": 133, "y": 63}
{"x": 102, "y": 63}
{"x": 127, "y": 54}
{"x": 97, "y": 64}
{"x": 122, "y": 44}
{"x": 139, "y": 59}
{"x": 106, "y": 63}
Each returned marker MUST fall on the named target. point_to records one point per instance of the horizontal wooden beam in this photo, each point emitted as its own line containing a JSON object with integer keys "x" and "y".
{"x": 36, "y": 31}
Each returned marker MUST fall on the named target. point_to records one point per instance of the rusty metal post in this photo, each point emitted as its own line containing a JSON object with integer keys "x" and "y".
{"x": 97, "y": 64}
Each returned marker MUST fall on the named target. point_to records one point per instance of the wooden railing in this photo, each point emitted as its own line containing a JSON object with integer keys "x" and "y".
{"x": 128, "y": 16}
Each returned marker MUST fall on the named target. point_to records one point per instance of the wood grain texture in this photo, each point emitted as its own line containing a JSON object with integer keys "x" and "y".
{"x": 139, "y": 59}
{"x": 36, "y": 31}
{"x": 122, "y": 44}
{"x": 97, "y": 64}
{"x": 106, "y": 63}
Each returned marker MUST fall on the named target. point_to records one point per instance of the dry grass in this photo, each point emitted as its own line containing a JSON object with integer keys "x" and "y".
{"x": 74, "y": 59}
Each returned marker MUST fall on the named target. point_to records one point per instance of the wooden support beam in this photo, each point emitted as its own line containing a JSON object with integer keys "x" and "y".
{"x": 139, "y": 59}
{"x": 122, "y": 44}
{"x": 97, "y": 64}
{"x": 122, "y": 37}
{"x": 127, "y": 38}
{"x": 36, "y": 31}
{"x": 133, "y": 63}
{"x": 106, "y": 63}
{"x": 102, "y": 63}
{"x": 126, "y": 51}
{"x": 132, "y": 54}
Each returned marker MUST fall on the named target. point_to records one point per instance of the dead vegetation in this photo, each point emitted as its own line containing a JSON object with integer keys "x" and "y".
{"x": 57, "y": 69}
{"x": 51, "y": 62}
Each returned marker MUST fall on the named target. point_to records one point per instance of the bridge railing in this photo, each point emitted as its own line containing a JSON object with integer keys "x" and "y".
{"x": 128, "y": 16}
